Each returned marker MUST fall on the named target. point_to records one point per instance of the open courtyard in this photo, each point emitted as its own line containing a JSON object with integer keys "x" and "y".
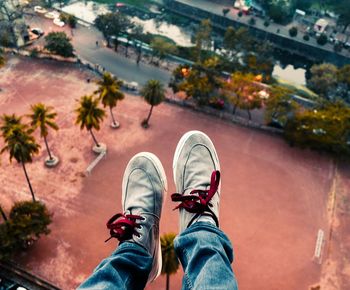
{"x": 274, "y": 197}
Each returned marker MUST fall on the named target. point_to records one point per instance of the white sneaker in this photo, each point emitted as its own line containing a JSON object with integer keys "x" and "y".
{"x": 143, "y": 193}
{"x": 197, "y": 177}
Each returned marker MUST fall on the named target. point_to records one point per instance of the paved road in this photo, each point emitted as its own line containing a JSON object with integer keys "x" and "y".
{"x": 84, "y": 42}
{"x": 125, "y": 68}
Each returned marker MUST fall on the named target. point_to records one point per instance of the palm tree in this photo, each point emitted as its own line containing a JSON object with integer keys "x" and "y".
{"x": 22, "y": 146}
{"x": 42, "y": 118}
{"x": 170, "y": 262}
{"x": 154, "y": 93}
{"x": 109, "y": 93}
{"x": 89, "y": 115}
{"x": 8, "y": 121}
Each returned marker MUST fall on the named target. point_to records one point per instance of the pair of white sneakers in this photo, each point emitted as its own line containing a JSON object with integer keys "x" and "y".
{"x": 197, "y": 179}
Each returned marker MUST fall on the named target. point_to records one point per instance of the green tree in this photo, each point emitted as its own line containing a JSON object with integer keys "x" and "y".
{"x": 153, "y": 92}
{"x": 10, "y": 15}
{"x": 344, "y": 75}
{"x": 30, "y": 220}
{"x": 322, "y": 39}
{"x": 342, "y": 8}
{"x": 323, "y": 80}
{"x": 22, "y": 146}
{"x": 70, "y": 19}
{"x": 279, "y": 106}
{"x": 242, "y": 92}
{"x": 59, "y": 43}
{"x": 202, "y": 81}
{"x": 237, "y": 41}
{"x": 170, "y": 262}
{"x": 113, "y": 24}
{"x": 324, "y": 128}
{"x": 293, "y": 31}
{"x": 161, "y": 48}
{"x": 26, "y": 223}
{"x": 43, "y": 118}
{"x": 89, "y": 115}
{"x": 202, "y": 38}
{"x": 279, "y": 10}
{"x": 109, "y": 93}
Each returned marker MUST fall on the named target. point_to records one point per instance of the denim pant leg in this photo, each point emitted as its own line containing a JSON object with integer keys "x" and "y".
{"x": 206, "y": 255}
{"x": 127, "y": 268}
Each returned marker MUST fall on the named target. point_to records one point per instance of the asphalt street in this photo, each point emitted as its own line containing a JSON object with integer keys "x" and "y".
{"x": 84, "y": 42}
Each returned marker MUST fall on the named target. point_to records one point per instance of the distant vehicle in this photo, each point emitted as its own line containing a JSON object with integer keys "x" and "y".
{"x": 37, "y": 31}
{"x": 319, "y": 131}
{"x": 132, "y": 86}
{"x": 52, "y": 15}
{"x": 58, "y": 22}
{"x": 39, "y": 9}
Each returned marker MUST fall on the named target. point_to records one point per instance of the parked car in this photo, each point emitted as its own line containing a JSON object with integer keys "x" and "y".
{"x": 52, "y": 15}
{"x": 39, "y": 9}
{"x": 37, "y": 31}
{"x": 58, "y": 22}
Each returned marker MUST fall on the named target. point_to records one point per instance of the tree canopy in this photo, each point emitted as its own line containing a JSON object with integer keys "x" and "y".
{"x": 26, "y": 223}
{"x": 59, "y": 43}
{"x": 113, "y": 24}
{"x": 323, "y": 79}
{"x": 161, "y": 47}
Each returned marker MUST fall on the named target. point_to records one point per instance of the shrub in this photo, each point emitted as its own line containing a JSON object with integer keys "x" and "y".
{"x": 240, "y": 14}
{"x": 59, "y": 43}
{"x": 306, "y": 37}
{"x": 322, "y": 39}
{"x": 293, "y": 31}
{"x": 266, "y": 23}
{"x": 252, "y": 21}
{"x": 225, "y": 11}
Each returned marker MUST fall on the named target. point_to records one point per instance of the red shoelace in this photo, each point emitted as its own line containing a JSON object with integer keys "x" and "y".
{"x": 122, "y": 226}
{"x": 199, "y": 203}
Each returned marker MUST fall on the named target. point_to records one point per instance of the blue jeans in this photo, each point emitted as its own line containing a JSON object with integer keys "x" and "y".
{"x": 204, "y": 250}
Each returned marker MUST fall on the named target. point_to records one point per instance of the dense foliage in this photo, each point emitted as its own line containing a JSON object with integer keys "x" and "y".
{"x": 59, "y": 43}
{"x": 26, "y": 223}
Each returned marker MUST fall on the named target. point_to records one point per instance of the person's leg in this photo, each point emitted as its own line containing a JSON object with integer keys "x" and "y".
{"x": 204, "y": 250}
{"x": 137, "y": 260}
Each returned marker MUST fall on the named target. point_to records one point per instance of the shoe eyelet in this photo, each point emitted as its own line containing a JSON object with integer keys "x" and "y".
{"x": 143, "y": 218}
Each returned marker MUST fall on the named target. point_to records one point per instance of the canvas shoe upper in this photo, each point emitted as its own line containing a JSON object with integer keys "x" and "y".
{"x": 197, "y": 179}
{"x": 143, "y": 193}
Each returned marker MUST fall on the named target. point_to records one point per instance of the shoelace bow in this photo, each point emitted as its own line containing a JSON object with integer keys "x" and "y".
{"x": 122, "y": 226}
{"x": 200, "y": 203}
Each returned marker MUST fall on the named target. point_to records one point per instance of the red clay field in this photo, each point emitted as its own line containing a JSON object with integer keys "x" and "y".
{"x": 274, "y": 197}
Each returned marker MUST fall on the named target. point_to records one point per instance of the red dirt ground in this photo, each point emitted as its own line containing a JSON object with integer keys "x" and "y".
{"x": 274, "y": 197}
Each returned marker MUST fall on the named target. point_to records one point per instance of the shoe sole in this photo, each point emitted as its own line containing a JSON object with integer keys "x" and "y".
{"x": 181, "y": 144}
{"x": 161, "y": 172}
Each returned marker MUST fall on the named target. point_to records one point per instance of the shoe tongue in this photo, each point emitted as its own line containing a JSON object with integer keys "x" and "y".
{"x": 133, "y": 211}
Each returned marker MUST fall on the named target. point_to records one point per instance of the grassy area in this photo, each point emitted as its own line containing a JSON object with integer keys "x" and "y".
{"x": 301, "y": 91}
